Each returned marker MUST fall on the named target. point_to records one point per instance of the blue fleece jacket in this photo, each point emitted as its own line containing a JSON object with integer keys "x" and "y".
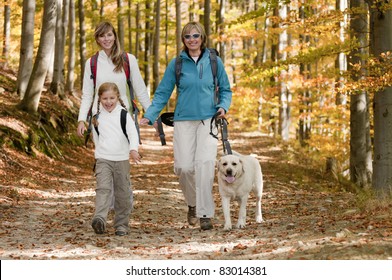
{"x": 195, "y": 100}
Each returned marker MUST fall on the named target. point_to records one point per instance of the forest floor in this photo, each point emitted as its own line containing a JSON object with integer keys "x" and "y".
{"x": 47, "y": 206}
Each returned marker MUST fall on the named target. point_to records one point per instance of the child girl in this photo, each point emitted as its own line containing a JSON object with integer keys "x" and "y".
{"x": 113, "y": 147}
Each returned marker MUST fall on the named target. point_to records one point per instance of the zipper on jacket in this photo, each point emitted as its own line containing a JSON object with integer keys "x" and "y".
{"x": 201, "y": 71}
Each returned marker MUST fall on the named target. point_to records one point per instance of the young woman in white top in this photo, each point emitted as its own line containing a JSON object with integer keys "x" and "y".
{"x": 113, "y": 147}
{"x": 110, "y": 69}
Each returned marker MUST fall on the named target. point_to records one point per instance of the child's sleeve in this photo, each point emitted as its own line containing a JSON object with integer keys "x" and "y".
{"x": 132, "y": 134}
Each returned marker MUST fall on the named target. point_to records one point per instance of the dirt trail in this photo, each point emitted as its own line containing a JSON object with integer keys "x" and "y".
{"x": 46, "y": 208}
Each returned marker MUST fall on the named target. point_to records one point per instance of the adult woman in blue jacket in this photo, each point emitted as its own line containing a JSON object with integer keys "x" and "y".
{"x": 195, "y": 149}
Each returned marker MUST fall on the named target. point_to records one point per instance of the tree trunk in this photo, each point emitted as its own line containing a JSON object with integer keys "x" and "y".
{"x": 285, "y": 95}
{"x": 155, "y": 69}
{"x": 120, "y": 23}
{"x": 139, "y": 27}
{"x": 69, "y": 85}
{"x": 147, "y": 45}
{"x": 192, "y": 9}
{"x": 6, "y": 32}
{"x": 129, "y": 17}
{"x": 178, "y": 27}
{"x": 101, "y": 10}
{"x": 305, "y": 106}
{"x": 207, "y": 20}
{"x": 27, "y": 47}
{"x": 381, "y": 41}
{"x": 82, "y": 40}
{"x": 221, "y": 21}
{"x": 57, "y": 85}
{"x": 341, "y": 59}
{"x": 273, "y": 117}
{"x": 360, "y": 145}
{"x": 31, "y": 99}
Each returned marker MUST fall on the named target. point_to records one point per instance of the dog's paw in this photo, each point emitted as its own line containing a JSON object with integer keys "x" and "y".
{"x": 227, "y": 227}
{"x": 259, "y": 219}
{"x": 240, "y": 225}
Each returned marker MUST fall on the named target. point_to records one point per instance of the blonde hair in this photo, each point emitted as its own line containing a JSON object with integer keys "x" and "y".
{"x": 116, "y": 52}
{"x": 104, "y": 88}
{"x": 200, "y": 28}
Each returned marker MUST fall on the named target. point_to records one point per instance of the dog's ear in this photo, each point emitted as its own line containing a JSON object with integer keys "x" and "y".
{"x": 242, "y": 165}
{"x": 217, "y": 163}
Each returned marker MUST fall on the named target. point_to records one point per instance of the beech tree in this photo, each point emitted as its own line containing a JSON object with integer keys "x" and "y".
{"x": 69, "y": 84}
{"x": 284, "y": 92}
{"x": 27, "y": 47}
{"x": 380, "y": 44}
{"x": 147, "y": 44}
{"x": 6, "y": 32}
{"x": 57, "y": 84}
{"x": 120, "y": 23}
{"x": 82, "y": 39}
{"x": 207, "y": 20}
{"x": 31, "y": 99}
{"x": 157, "y": 34}
{"x": 360, "y": 143}
{"x": 178, "y": 26}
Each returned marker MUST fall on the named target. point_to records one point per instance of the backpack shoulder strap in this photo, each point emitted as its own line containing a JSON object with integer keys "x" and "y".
{"x": 127, "y": 70}
{"x": 123, "y": 120}
{"x": 135, "y": 109}
{"x": 178, "y": 68}
{"x": 213, "y": 61}
{"x": 93, "y": 67}
{"x": 214, "y": 69}
{"x": 126, "y": 65}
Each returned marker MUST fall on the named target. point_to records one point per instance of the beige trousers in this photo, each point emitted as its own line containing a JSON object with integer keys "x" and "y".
{"x": 195, "y": 153}
{"x": 113, "y": 176}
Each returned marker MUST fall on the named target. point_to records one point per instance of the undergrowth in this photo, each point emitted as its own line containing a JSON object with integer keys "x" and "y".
{"x": 53, "y": 126}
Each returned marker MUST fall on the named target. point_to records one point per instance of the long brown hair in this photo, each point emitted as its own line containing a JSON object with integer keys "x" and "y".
{"x": 116, "y": 52}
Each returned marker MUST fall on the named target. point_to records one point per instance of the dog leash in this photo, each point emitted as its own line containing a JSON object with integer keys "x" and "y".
{"x": 221, "y": 125}
{"x": 161, "y": 132}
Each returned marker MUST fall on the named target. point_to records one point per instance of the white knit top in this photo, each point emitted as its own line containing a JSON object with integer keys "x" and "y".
{"x": 112, "y": 144}
{"x": 105, "y": 73}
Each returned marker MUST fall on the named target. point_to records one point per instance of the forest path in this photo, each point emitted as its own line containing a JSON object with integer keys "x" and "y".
{"x": 47, "y": 205}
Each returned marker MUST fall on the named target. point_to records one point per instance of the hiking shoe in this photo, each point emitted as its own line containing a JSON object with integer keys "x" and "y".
{"x": 98, "y": 225}
{"x": 192, "y": 219}
{"x": 120, "y": 232}
{"x": 205, "y": 223}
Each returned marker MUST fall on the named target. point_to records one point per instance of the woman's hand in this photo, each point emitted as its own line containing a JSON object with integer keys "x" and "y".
{"x": 81, "y": 129}
{"x": 144, "y": 121}
{"x": 222, "y": 113}
{"x": 136, "y": 157}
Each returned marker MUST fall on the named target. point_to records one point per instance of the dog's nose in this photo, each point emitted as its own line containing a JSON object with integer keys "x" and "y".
{"x": 229, "y": 172}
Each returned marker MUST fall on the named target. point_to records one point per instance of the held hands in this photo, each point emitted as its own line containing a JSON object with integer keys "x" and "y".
{"x": 136, "y": 157}
{"x": 145, "y": 121}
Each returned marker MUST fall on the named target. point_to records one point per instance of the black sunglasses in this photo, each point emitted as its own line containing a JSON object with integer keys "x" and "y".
{"x": 194, "y": 36}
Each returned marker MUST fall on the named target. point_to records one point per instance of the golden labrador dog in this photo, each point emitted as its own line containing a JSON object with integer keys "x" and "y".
{"x": 237, "y": 176}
